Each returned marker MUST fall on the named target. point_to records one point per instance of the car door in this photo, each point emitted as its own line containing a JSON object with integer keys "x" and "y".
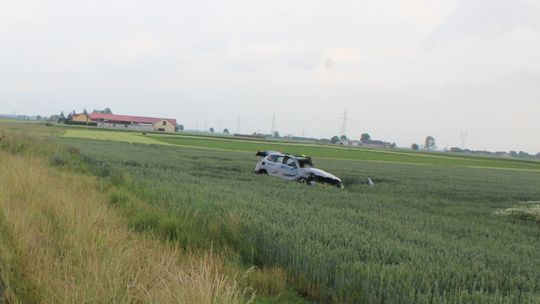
{"x": 273, "y": 165}
{"x": 289, "y": 168}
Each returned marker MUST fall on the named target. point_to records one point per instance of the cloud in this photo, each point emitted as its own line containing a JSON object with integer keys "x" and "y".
{"x": 341, "y": 58}
{"x": 17, "y": 87}
{"x": 256, "y": 57}
{"x": 131, "y": 50}
{"x": 16, "y": 12}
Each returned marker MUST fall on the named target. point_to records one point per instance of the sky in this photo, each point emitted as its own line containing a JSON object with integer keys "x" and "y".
{"x": 402, "y": 69}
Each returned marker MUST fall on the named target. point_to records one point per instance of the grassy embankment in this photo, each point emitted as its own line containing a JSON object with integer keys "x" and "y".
{"x": 61, "y": 243}
{"x": 63, "y": 238}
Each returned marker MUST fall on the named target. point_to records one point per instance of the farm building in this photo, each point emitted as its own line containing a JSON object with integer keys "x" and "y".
{"x": 134, "y": 122}
{"x": 81, "y": 117}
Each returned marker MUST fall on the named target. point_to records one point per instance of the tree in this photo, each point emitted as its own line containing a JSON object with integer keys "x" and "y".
{"x": 343, "y": 137}
{"x": 70, "y": 116}
{"x": 38, "y": 117}
{"x": 276, "y": 134}
{"x": 415, "y": 147}
{"x": 61, "y": 117}
{"x": 104, "y": 111}
{"x": 523, "y": 154}
{"x": 323, "y": 141}
{"x": 226, "y": 131}
{"x": 180, "y": 127}
{"x": 365, "y": 137}
{"x": 212, "y": 130}
{"x": 430, "y": 143}
{"x": 334, "y": 139}
{"x": 87, "y": 115}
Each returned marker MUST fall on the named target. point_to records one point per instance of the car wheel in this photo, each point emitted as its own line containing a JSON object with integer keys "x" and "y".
{"x": 304, "y": 180}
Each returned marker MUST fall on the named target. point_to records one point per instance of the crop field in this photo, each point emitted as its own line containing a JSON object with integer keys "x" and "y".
{"x": 320, "y": 151}
{"x": 428, "y": 232}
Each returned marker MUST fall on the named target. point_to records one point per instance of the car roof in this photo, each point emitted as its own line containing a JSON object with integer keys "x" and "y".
{"x": 289, "y": 155}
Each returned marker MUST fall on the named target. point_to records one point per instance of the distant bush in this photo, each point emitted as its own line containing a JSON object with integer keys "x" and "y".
{"x": 81, "y": 123}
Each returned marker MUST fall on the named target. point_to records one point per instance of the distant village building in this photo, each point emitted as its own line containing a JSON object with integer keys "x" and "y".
{"x": 368, "y": 143}
{"x": 138, "y": 123}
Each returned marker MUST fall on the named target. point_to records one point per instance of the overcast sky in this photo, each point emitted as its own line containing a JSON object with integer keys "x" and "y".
{"x": 403, "y": 69}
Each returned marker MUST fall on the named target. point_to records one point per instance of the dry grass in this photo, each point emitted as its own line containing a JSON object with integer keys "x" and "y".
{"x": 61, "y": 243}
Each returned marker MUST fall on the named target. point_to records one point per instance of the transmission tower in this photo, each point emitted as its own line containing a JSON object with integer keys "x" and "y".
{"x": 463, "y": 135}
{"x": 344, "y": 118}
{"x": 238, "y": 126}
{"x": 273, "y": 131}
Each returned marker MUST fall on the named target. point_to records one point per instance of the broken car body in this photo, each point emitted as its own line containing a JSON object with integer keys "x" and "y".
{"x": 293, "y": 167}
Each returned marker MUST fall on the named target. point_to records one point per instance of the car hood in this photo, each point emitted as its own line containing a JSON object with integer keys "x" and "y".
{"x": 322, "y": 173}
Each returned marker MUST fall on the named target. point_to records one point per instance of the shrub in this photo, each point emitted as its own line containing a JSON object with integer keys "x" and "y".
{"x": 119, "y": 177}
{"x": 118, "y": 198}
{"x": 58, "y": 160}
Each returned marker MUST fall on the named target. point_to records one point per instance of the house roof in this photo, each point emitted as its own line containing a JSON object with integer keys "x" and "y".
{"x": 136, "y": 119}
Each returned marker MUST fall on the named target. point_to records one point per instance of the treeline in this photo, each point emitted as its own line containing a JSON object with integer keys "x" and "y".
{"x": 521, "y": 154}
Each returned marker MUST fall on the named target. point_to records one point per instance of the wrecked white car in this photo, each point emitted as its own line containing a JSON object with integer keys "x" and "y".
{"x": 294, "y": 167}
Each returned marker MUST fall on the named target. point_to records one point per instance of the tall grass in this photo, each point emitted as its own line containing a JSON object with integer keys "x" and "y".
{"x": 61, "y": 243}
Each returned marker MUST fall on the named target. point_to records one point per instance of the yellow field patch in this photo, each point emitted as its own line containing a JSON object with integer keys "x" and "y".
{"x": 129, "y": 137}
